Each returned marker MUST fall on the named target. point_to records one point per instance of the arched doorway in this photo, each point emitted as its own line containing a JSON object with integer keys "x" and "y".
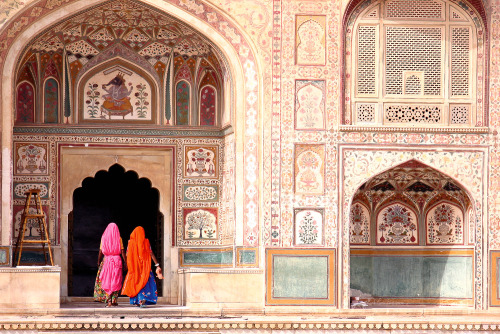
{"x": 116, "y": 196}
{"x": 411, "y": 242}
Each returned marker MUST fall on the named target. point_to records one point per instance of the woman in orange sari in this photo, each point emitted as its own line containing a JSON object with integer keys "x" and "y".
{"x": 140, "y": 283}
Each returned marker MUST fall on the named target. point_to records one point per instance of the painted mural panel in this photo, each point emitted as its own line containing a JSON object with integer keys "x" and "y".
{"x": 309, "y": 169}
{"x": 25, "y": 103}
{"x": 397, "y": 225}
{"x": 208, "y": 105}
{"x": 200, "y": 193}
{"x": 310, "y": 39}
{"x": 359, "y": 226}
{"x": 31, "y": 158}
{"x": 200, "y": 223}
{"x": 308, "y": 227}
{"x": 117, "y": 94}
{"x": 200, "y": 161}
{"x": 309, "y": 104}
{"x": 20, "y": 189}
{"x": 51, "y": 101}
{"x": 182, "y": 96}
{"x": 32, "y": 225}
{"x": 445, "y": 224}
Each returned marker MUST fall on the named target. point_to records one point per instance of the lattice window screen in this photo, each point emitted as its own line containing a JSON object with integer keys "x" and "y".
{"x": 413, "y": 49}
{"x": 366, "y": 112}
{"x": 413, "y": 85}
{"x": 414, "y": 9}
{"x": 413, "y": 62}
{"x": 425, "y": 114}
{"x": 373, "y": 14}
{"x": 366, "y": 59}
{"x": 459, "y": 114}
{"x": 460, "y": 58}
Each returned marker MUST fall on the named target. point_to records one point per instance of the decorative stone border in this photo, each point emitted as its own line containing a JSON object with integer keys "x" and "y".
{"x": 216, "y": 326}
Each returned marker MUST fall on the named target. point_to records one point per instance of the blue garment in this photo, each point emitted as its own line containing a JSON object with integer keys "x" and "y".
{"x": 148, "y": 293}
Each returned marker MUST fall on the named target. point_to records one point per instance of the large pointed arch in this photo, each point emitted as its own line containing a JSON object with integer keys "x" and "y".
{"x": 220, "y": 30}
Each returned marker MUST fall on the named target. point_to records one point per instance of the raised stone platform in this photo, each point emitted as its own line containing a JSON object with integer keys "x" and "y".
{"x": 88, "y": 316}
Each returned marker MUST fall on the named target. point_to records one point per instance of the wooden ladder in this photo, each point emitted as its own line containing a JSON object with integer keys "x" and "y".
{"x": 40, "y": 218}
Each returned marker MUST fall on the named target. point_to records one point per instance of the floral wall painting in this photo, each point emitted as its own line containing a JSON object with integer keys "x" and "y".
{"x": 310, "y": 39}
{"x": 309, "y": 169}
{"x": 117, "y": 94}
{"x": 445, "y": 224}
{"x": 20, "y": 189}
{"x": 308, "y": 229}
{"x": 200, "y": 193}
{"x": 200, "y": 161}
{"x": 30, "y": 158}
{"x": 200, "y": 223}
{"x": 397, "y": 225}
{"x": 359, "y": 227}
{"x": 309, "y": 104}
{"x": 25, "y": 103}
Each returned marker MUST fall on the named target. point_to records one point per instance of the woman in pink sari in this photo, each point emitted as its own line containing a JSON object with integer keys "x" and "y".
{"x": 109, "y": 276}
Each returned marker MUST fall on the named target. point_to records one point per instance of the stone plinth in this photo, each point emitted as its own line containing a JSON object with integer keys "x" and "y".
{"x": 30, "y": 287}
{"x": 222, "y": 288}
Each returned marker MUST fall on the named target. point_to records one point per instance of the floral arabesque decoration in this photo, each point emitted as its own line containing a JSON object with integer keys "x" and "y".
{"x": 92, "y": 101}
{"x": 359, "y": 225}
{"x": 445, "y": 225}
{"x": 397, "y": 224}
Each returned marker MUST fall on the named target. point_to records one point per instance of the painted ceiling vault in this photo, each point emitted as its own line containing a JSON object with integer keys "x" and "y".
{"x": 413, "y": 183}
{"x": 148, "y": 38}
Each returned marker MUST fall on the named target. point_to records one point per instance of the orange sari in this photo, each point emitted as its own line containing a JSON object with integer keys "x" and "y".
{"x": 138, "y": 262}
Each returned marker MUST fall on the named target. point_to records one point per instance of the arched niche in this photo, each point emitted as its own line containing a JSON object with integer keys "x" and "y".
{"x": 397, "y": 218}
{"x": 117, "y": 91}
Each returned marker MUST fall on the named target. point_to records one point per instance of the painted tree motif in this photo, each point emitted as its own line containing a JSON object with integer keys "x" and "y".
{"x": 309, "y": 226}
{"x": 309, "y": 106}
{"x": 308, "y": 232}
{"x": 201, "y": 224}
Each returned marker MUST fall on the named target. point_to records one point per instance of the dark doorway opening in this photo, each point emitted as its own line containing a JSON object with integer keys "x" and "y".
{"x": 110, "y": 196}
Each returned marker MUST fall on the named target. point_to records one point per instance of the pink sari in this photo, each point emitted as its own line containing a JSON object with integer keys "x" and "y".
{"x": 111, "y": 273}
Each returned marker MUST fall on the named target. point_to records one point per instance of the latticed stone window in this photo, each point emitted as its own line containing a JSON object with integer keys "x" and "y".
{"x": 414, "y": 63}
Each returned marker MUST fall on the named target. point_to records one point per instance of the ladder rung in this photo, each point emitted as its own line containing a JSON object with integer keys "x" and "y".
{"x": 35, "y": 215}
{"x": 36, "y": 241}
